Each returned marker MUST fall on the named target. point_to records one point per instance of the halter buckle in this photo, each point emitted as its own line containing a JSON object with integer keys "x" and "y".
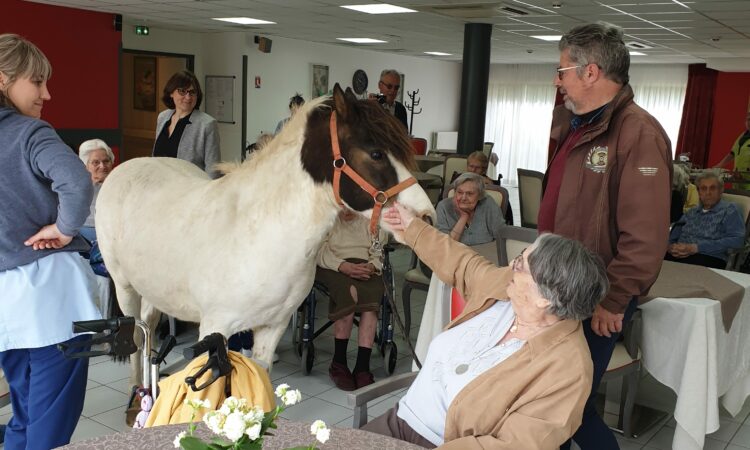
{"x": 378, "y": 196}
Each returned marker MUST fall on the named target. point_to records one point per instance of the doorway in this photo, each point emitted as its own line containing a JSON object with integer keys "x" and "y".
{"x": 144, "y": 75}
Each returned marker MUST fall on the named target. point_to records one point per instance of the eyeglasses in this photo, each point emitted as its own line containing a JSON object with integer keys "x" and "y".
{"x": 185, "y": 92}
{"x": 517, "y": 264}
{"x": 391, "y": 86}
{"x": 560, "y": 70}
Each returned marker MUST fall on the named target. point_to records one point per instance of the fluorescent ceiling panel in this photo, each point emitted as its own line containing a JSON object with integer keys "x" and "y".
{"x": 379, "y": 8}
{"x": 548, "y": 37}
{"x": 437, "y": 53}
{"x": 363, "y": 40}
{"x": 244, "y": 20}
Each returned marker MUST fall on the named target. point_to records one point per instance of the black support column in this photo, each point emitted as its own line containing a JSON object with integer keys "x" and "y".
{"x": 474, "y": 81}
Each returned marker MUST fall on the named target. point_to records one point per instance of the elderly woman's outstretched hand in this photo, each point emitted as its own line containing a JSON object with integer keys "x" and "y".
{"x": 398, "y": 219}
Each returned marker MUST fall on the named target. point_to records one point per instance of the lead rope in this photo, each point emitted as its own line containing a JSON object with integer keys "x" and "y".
{"x": 389, "y": 283}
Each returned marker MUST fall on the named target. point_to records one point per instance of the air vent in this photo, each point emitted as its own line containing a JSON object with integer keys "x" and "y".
{"x": 512, "y": 10}
{"x": 635, "y": 45}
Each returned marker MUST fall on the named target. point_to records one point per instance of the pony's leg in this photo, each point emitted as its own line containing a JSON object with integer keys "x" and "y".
{"x": 265, "y": 340}
{"x": 130, "y": 304}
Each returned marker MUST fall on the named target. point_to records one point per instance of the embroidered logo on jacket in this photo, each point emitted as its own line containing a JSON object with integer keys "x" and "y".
{"x": 596, "y": 160}
{"x": 648, "y": 171}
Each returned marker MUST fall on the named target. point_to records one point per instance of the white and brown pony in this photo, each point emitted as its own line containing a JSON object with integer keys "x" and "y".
{"x": 238, "y": 252}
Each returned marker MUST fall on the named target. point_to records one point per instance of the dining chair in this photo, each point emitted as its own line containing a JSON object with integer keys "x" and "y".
{"x": 419, "y": 146}
{"x": 529, "y": 196}
{"x": 625, "y": 363}
{"x": 740, "y": 198}
{"x": 453, "y": 164}
{"x": 511, "y": 241}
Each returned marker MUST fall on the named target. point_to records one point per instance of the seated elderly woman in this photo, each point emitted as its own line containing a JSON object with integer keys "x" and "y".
{"x": 98, "y": 158}
{"x": 350, "y": 269}
{"x": 704, "y": 235}
{"x": 469, "y": 216}
{"x": 513, "y": 371}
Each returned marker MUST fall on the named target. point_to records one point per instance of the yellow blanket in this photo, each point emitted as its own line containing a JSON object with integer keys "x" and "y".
{"x": 249, "y": 381}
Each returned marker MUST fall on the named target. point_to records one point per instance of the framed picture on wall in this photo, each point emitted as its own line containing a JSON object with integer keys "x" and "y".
{"x": 319, "y": 80}
{"x": 144, "y": 83}
{"x": 400, "y": 95}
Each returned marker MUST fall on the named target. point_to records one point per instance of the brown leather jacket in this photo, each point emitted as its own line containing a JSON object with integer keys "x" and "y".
{"x": 615, "y": 194}
{"x": 534, "y": 399}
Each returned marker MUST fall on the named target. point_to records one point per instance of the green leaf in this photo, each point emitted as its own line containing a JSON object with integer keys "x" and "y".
{"x": 222, "y": 442}
{"x": 193, "y": 443}
{"x": 251, "y": 445}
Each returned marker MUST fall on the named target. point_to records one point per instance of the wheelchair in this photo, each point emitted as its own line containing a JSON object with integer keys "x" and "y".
{"x": 304, "y": 332}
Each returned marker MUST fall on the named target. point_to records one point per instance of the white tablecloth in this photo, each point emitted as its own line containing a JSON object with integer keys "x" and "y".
{"x": 685, "y": 347}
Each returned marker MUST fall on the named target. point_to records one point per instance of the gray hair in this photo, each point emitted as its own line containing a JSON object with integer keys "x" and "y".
{"x": 470, "y": 177}
{"x": 680, "y": 177}
{"x": 393, "y": 72}
{"x": 600, "y": 44}
{"x": 85, "y": 149}
{"x": 709, "y": 175}
{"x": 568, "y": 275}
{"x": 19, "y": 58}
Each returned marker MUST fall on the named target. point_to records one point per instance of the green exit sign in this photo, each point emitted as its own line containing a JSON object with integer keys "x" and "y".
{"x": 141, "y": 30}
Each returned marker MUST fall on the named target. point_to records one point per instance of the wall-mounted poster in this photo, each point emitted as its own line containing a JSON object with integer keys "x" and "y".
{"x": 144, "y": 80}
{"x": 319, "y": 80}
{"x": 220, "y": 98}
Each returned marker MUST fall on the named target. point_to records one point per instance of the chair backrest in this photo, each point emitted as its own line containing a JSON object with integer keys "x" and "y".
{"x": 511, "y": 241}
{"x": 419, "y": 146}
{"x": 497, "y": 193}
{"x": 487, "y": 148}
{"x": 453, "y": 163}
{"x": 529, "y": 196}
{"x": 741, "y": 199}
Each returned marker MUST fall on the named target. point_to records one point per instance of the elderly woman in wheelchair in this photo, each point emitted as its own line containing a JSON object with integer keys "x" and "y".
{"x": 350, "y": 269}
{"x": 513, "y": 371}
{"x": 469, "y": 216}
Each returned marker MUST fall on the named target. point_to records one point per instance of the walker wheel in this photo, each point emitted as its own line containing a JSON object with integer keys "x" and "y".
{"x": 390, "y": 355}
{"x": 308, "y": 357}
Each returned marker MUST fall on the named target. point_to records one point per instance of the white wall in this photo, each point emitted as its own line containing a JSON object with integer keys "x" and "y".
{"x": 286, "y": 70}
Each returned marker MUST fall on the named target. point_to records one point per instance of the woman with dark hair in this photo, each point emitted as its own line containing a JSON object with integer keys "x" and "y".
{"x": 182, "y": 131}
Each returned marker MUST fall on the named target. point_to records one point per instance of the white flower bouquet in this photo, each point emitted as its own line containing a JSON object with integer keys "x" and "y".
{"x": 241, "y": 426}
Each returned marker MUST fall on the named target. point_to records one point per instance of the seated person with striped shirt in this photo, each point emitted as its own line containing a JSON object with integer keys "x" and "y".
{"x": 705, "y": 234}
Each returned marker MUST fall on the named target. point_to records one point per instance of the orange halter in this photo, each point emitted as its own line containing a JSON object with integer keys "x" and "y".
{"x": 379, "y": 197}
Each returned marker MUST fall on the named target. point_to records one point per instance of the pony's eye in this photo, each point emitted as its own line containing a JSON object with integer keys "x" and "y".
{"x": 377, "y": 156}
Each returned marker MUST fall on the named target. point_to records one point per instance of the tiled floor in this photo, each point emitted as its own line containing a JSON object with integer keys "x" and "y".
{"x": 108, "y": 385}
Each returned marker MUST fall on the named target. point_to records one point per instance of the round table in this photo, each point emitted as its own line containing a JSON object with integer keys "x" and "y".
{"x": 289, "y": 434}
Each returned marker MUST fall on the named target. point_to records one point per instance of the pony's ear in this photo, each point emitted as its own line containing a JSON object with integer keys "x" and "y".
{"x": 339, "y": 101}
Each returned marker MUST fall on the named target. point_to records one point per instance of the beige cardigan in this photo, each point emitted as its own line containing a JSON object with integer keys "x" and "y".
{"x": 532, "y": 400}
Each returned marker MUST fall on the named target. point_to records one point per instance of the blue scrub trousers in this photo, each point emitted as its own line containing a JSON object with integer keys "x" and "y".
{"x": 47, "y": 392}
{"x": 594, "y": 434}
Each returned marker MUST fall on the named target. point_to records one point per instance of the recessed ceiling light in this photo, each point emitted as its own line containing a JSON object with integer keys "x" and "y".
{"x": 244, "y": 20}
{"x": 637, "y": 54}
{"x": 379, "y": 8}
{"x": 549, "y": 38}
{"x": 362, "y": 40}
{"x": 437, "y": 53}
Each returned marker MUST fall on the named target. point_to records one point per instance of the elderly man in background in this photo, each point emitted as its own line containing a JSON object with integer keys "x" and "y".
{"x": 705, "y": 234}
{"x": 608, "y": 186}
{"x": 98, "y": 157}
{"x": 389, "y": 85}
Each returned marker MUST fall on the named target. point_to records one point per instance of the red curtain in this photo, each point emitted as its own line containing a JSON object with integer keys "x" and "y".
{"x": 697, "y": 113}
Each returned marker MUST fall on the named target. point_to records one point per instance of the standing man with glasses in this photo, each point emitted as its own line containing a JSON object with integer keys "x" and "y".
{"x": 389, "y": 85}
{"x": 608, "y": 186}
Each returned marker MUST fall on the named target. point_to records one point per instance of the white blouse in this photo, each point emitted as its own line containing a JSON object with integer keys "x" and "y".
{"x": 455, "y": 358}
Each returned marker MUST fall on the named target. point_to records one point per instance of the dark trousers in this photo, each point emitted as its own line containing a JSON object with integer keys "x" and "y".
{"x": 699, "y": 260}
{"x": 46, "y": 392}
{"x": 593, "y": 434}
